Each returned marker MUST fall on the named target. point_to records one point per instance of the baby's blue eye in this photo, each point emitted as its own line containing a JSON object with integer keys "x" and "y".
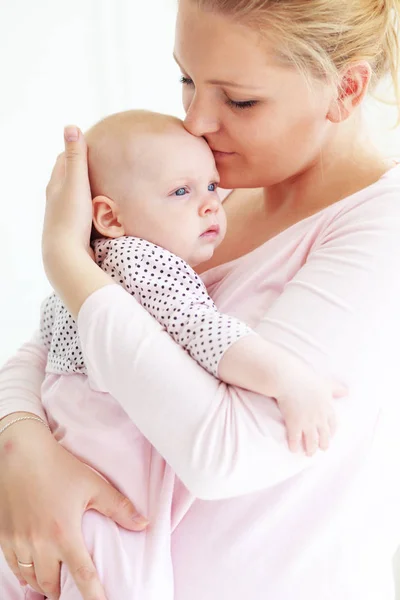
{"x": 180, "y": 192}
{"x": 212, "y": 187}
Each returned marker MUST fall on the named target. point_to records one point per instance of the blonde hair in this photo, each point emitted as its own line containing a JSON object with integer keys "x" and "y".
{"x": 322, "y": 37}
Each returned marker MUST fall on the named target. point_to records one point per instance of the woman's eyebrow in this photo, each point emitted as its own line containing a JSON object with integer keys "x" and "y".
{"x": 233, "y": 84}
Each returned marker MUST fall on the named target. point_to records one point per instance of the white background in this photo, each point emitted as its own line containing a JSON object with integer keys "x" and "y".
{"x": 74, "y": 61}
{"x": 65, "y": 61}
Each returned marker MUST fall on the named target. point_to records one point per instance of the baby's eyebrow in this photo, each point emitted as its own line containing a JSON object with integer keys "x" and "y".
{"x": 179, "y": 181}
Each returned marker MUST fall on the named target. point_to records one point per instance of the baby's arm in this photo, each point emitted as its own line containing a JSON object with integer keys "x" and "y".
{"x": 304, "y": 398}
{"x": 173, "y": 294}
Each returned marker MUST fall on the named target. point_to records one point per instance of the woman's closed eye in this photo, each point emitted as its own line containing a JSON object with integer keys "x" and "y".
{"x": 186, "y": 80}
{"x": 239, "y": 104}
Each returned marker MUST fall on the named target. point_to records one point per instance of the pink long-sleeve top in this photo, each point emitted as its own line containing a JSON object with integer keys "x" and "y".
{"x": 261, "y": 522}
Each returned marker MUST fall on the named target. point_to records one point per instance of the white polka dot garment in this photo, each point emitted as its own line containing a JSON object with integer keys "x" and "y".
{"x": 166, "y": 286}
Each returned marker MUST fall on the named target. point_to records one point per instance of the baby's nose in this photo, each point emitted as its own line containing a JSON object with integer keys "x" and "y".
{"x": 209, "y": 205}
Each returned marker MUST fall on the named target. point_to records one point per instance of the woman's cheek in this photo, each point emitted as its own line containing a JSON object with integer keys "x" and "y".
{"x": 187, "y": 96}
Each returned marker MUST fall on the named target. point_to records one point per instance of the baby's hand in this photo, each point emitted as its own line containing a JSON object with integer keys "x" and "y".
{"x": 307, "y": 409}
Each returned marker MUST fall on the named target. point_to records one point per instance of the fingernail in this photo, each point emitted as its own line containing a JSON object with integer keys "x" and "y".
{"x": 71, "y": 133}
{"x": 140, "y": 520}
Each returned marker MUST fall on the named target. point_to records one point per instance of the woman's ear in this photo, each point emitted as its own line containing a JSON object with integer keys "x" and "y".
{"x": 106, "y": 217}
{"x": 351, "y": 91}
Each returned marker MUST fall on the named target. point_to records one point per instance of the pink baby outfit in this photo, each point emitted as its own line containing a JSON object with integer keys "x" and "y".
{"x": 251, "y": 520}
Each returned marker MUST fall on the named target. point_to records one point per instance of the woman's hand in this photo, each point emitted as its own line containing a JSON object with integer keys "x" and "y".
{"x": 68, "y": 215}
{"x": 44, "y": 491}
{"x": 67, "y": 226}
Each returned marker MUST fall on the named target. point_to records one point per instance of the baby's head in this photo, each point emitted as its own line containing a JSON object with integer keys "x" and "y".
{"x": 152, "y": 179}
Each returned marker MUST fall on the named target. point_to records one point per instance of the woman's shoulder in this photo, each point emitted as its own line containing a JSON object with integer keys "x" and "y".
{"x": 378, "y": 203}
{"x": 366, "y": 224}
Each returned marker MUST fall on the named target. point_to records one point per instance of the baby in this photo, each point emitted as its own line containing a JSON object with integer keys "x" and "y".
{"x": 157, "y": 215}
{"x": 157, "y": 210}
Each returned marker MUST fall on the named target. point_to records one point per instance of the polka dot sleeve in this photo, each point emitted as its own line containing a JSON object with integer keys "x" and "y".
{"x": 167, "y": 287}
{"x": 59, "y": 335}
{"x": 47, "y": 318}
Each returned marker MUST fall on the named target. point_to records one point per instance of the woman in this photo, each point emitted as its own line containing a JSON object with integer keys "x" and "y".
{"x": 311, "y": 260}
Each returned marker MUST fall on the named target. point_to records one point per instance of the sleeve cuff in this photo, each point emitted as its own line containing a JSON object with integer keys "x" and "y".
{"x": 23, "y": 407}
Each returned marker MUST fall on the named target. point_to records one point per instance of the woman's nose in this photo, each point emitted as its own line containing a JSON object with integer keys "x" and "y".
{"x": 200, "y": 118}
{"x": 209, "y": 205}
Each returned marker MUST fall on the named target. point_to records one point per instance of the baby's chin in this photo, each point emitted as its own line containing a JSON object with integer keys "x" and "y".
{"x": 201, "y": 255}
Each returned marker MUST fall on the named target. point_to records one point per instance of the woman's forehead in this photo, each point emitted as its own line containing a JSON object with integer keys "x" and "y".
{"x": 215, "y": 49}
{"x": 202, "y": 35}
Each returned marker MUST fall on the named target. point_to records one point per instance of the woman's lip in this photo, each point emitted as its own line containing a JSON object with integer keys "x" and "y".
{"x": 219, "y": 155}
{"x": 221, "y": 152}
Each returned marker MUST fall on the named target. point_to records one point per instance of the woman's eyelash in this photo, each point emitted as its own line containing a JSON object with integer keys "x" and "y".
{"x": 242, "y": 105}
{"x": 186, "y": 80}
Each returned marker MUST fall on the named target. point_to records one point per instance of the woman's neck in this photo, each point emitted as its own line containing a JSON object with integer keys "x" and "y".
{"x": 348, "y": 163}
{"x": 255, "y": 216}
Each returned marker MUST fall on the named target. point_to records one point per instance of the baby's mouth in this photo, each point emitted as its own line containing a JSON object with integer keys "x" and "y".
{"x": 212, "y": 231}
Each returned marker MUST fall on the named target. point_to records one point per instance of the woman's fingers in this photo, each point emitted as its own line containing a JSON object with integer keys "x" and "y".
{"x": 294, "y": 441}
{"x": 71, "y": 162}
{"x": 324, "y": 435}
{"x": 58, "y": 173}
{"x": 28, "y": 574}
{"x": 294, "y": 432}
{"x": 47, "y": 573}
{"x": 110, "y": 502}
{"x": 12, "y": 562}
{"x": 77, "y": 559}
{"x": 25, "y": 563}
{"x": 68, "y": 214}
{"x": 75, "y": 154}
{"x": 41, "y": 515}
{"x": 310, "y": 440}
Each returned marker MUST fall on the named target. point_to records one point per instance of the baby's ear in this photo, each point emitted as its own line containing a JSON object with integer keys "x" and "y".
{"x": 106, "y": 218}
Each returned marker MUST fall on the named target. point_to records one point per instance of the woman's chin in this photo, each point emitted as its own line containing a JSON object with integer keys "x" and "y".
{"x": 234, "y": 175}
{"x": 234, "y": 179}
{"x": 244, "y": 177}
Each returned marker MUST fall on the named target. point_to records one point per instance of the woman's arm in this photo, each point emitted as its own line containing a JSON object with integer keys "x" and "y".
{"x": 21, "y": 379}
{"x": 223, "y": 345}
{"x": 44, "y": 489}
{"x": 220, "y": 440}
